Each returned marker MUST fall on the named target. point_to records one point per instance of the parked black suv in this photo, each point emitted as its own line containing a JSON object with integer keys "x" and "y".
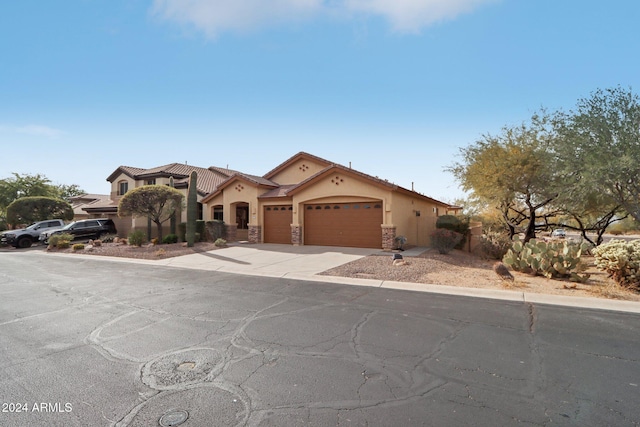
{"x": 87, "y": 228}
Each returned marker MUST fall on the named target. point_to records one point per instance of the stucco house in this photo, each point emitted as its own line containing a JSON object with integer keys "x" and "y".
{"x": 306, "y": 200}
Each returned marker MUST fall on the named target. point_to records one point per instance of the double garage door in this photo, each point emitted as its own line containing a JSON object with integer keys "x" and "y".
{"x": 328, "y": 224}
{"x": 343, "y": 224}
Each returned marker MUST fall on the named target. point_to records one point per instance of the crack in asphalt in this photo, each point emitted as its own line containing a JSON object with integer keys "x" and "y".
{"x": 399, "y": 378}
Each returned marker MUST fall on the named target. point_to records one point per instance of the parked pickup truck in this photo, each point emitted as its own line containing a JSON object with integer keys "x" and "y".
{"x": 24, "y": 237}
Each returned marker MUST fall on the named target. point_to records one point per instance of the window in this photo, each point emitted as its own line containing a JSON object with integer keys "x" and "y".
{"x": 150, "y": 181}
{"x": 217, "y": 213}
{"x": 123, "y": 187}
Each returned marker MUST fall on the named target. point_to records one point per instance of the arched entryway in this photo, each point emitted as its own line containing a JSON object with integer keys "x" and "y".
{"x": 242, "y": 220}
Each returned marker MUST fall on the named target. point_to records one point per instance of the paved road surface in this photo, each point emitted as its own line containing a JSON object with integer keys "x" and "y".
{"x": 98, "y": 343}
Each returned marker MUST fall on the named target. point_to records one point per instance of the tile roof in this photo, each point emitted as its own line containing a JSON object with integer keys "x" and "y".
{"x": 213, "y": 179}
{"x": 208, "y": 178}
{"x": 278, "y": 192}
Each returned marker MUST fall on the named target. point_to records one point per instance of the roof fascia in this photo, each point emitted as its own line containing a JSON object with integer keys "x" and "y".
{"x": 289, "y": 161}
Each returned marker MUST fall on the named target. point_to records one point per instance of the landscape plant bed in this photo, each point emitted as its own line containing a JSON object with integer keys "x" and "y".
{"x": 146, "y": 251}
{"x": 460, "y": 268}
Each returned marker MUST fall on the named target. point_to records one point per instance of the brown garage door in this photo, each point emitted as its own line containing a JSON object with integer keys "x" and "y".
{"x": 343, "y": 224}
{"x": 277, "y": 224}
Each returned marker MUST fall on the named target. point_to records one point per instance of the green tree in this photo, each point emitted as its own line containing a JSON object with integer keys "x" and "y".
{"x": 514, "y": 172}
{"x": 68, "y": 191}
{"x": 27, "y": 210}
{"x": 24, "y": 186}
{"x": 157, "y": 202}
{"x": 600, "y": 145}
{"x": 27, "y": 185}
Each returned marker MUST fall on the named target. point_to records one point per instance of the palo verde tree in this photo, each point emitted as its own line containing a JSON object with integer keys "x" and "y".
{"x": 600, "y": 145}
{"x": 27, "y": 210}
{"x": 157, "y": 202}
{"x": 514, "y": 172}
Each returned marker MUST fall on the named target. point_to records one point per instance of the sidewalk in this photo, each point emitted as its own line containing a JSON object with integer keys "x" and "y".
{"x": 306, "y": 262}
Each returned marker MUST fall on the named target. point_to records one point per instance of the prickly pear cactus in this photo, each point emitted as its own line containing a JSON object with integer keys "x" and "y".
{"x": 549, "y": 259}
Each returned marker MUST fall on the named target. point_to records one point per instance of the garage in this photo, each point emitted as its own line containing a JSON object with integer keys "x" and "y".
{"x": 343, "y": 224}
{"x": 277, "y": 224}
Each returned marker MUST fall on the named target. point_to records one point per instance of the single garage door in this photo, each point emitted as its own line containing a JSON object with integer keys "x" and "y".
{"x": 277, "y": 224}
{"x": 343, "y": 224}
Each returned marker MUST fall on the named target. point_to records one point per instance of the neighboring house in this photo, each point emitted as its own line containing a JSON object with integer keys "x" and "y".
{"x": 306, "y": 200}
{"x": 83, "y": 201}
{"x": 126, "y": 178}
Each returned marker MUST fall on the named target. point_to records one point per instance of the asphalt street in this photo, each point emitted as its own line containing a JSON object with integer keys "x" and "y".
{"x": 88, "y": 342}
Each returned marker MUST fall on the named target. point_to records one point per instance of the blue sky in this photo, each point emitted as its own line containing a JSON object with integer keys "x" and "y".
{"x": 393, "y": 86}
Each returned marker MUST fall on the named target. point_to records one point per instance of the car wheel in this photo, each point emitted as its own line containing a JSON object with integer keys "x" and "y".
{"x": 24, "y": 242}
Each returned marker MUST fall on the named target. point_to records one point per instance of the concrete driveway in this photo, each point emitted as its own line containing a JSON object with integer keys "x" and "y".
{"x": 265, "y": 259}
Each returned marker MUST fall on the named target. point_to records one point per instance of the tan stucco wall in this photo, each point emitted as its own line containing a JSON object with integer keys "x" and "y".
{"x": 339, "y": 187}
{"x": 238, "y": 191}
{"x": 399, "y": 209}
{"x": 297, "y": 172}
{"x": 415, "y": 228}
{"x": 115, "y": 185}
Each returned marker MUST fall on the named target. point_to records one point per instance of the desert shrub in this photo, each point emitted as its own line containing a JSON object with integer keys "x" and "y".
{"x": 455, "y": 223}
{"x": 399, "y": 242}
{"x": 160, "y": 253}
{"x": 220, "y": 242}
{"x": 61, "y": 240}
{"x": 444, "y": 241}
{"x": 201, "y": 234}
{"x": 154, "y": 241}
{"x": 494, "y": 245}
{"x": 108, "y": 238}
{"x": 78, "y": 247}
{"x": 616, "y": 232}
{"x": 216, "y": 230}
{"x": 554, "y": 259}
{"x": 182, "y": 231}
{"x": 137, "y": 238}
{"x": 170, "y": 238}
{"x": 621, "y": 260}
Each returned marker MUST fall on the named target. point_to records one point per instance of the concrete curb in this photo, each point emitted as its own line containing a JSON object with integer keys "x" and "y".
{"x": 495, "y": 294}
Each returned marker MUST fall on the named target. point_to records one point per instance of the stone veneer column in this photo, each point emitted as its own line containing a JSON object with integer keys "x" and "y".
{"x": 255, "y": 234}
{"x": 388, "y": 237}
{"x": 232, "y": 234}
{"x": 296, "y": 235}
